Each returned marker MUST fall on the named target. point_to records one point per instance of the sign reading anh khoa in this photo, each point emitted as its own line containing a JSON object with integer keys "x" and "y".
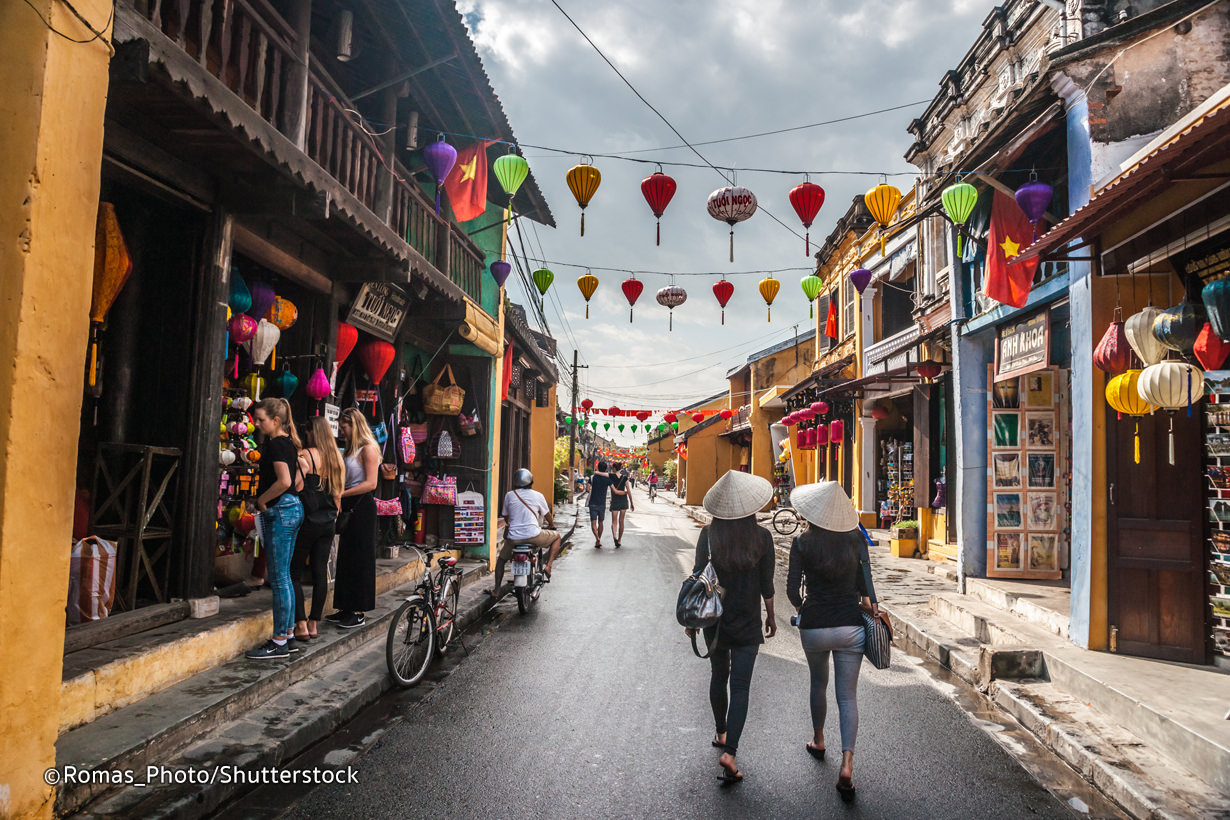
{"x": 379, "y": 310}
{"x": 1023, "y": 347}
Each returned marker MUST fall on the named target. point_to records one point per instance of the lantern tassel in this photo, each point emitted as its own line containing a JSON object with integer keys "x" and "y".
{"x": 629, "y": 315}
{"x": 732, "y": 243}
{"x": 437, "y": 199}
{"x": 1136, "y": 442}
{"x": 811, "y": 310}
{"x": 587, "y": 310}
{"x": 723, "y": 315}
{"x": 958, "y": 242}
{"x": 881, "y": 242}
{"x": 94, "y": 353}
{"x": 769, "y": 314}
{"x": 807, "y": 241}
{"x": 1189, "y": 392}
{"x": 659, "y": 242}
{"x": 671, "y": 321}
{"x": 1172, "y": 441}
{"x": 582, "y": 223}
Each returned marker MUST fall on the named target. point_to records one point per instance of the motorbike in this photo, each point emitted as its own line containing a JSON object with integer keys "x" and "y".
{"x": 527, "y": 574}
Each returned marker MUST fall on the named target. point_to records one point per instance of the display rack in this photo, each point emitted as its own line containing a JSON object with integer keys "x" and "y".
{"x": 1217, "y": 478}
{"x": 782, "y": 485}
{"x": 896, "y": 487}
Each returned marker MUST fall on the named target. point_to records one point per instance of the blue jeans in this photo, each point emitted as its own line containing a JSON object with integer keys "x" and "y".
{"x": 279, "y": 527}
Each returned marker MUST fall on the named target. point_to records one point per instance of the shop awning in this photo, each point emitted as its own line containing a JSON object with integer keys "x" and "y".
{"x": 772, "y": 398}
{"x": 887, "y": 379}
{"x": 818, "y": 376}
{"x": 1177, "y": 155}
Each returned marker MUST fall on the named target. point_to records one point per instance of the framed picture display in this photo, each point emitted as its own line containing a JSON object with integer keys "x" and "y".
{"x": 1043, "y": 549}
{"x": 1006, "y": 394}
{"x": 1040, "y": 430}
{"x": 1041, "y": 468}
{"x": 1008, "y": 512}
{"x": 1040, "y": 512}
{"x": 1040, "y": 389}
{"x": 1008, "y": 550}
{"x": 1006, "y": 469}
{"x": 1005, "y": 429}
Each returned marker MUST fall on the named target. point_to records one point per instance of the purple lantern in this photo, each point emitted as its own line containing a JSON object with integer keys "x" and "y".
{"x": 499, "y": 271}
{"x": 860, "y": 278}
{"x": 440, "y": 158}
{"x": 1034, "y": 197}
{"x": 262, "y": 299}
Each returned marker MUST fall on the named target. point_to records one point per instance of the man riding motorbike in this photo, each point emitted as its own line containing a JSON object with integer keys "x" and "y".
{"x": 524, "y": 511}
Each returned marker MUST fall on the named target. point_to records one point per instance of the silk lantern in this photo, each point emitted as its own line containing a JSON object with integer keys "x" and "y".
{"x": 672, "y": 297}
{"x": 510, "y": 171}
{"x": 376, "y": 356}
{"x": 1171, "y": 385}
{"x": 929, "y": 369}
{"x": 732, "y": 205}
{"x": 583, "y": 181}
{"x": 253, "y": 383}
{"x": 723, "y": 290}
{"x": 837, "y": 432}
{"x": 806, "y": 199}
{"x": 239, "y": 298}
{"x": 1216, "y": 298}
{"x": 242, "y": 327}
{"x": 820, "y": 435}
{"x": 882, "y": 202}
{"x": 860, "y": 278}
{"x": 1178, "y": 327}
{"x": 318, "y": 386}
{"x": 587, "y": 404}
{"x": 263, "y": 341}
{"x": 542, "y": 280}
{"x": 768, "y": 290}
{"x": 1113, "y": 355}
{"x": 698, "y": 417}
{"x": 726, "y": 413}
{"x": 499, "y": 272}
{"x": 282, "y": 313}
{"x": 959, "y": 202}
{"x": 262, "y": 298}
{"x": 671, "y": 417}
{"x": 819, "y": 408}
{"x": 285, "y": 383}
{"x": 1211, "y": 351}
{"x": 1034, "y": 197}
{"x": 811, "y": 285}
{"x": 806, "y": 414}
{"x": 347, "y": 338}
{"x": 1139, "y": 331}
{"x": 658, "y": 190}
{"x": 440, "y": 158}
{"x": 588, "y": 284}
{"x": 632, "y": 291}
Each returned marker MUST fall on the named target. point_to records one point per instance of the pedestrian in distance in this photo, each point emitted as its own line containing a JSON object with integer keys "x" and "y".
{"x": 742, "y": 555}
{"x": 524, "y": 511}
{"x": 599, "y": 483}
{"x": 829, "y": 576}
{"x": 324, "y": 475}
{"x": 354, "y": 590}
{"x": 278, "y": 516}
{"x": 653, "y": 485}
{"x": 621, "y": 502}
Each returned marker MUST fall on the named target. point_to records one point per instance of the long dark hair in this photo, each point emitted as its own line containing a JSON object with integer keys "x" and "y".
{"x": 735, "y": 544}
{"x": 833, "y": 556}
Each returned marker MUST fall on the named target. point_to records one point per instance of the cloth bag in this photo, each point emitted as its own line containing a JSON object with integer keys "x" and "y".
{"x": 445, "y": 445}
{"x": 878, "y": 639}
{"x": 390, "y": 506}
{"x": 443, "y": 400}
{"x": 440, "y": 490}
{"x": 92, "y": 567}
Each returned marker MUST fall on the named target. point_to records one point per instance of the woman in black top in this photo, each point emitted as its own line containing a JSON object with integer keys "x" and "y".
{"x": 621, "y": 500}
{"x": 829, "y": 574}
{"x": 742, "y": 555}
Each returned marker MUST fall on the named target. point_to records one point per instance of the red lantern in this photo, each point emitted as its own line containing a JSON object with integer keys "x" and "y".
{"x": 726, "y": 413}
{"x": 819, "y": 407}
{"x": 376, "y": 356}
{"x": 658, "y": 189}
{"x": 642, "y": 415}
{"x": 587, "y": 404}
{"x": 837, "y": 432}
{"x": 632, "y": 291}
{"x": 802, "y": 439}
{"x": 698, "y": 417}
{"x": 806, "y": 200}
{"x": 929, "y": 369}
{"x": 821, "y": 435}
{"x": 1209, "y": 348}
{"x": 347, "y": 337}
{"x": 879, "y": 412}
{"x": 671, "y": 418}
{"x": 723, "y": 291}
{"x": 806, "y": 414}
{"x": 1113, "y": 355}
{"x": 612, "y": 411}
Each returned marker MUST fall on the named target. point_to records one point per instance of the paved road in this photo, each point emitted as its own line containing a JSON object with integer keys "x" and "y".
{"x": 593, "y": 706}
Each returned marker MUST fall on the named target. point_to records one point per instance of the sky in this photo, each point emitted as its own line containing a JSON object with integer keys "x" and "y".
{"x": 715, "y": 70}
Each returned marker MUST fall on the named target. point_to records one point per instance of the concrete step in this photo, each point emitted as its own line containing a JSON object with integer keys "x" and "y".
{"x": 1020, "y": 603}
{"x": 937, "y": 638}
{"x": 980, "y": 621}
{"x": 1137, "y": 777}
{"x": 156, "y": 728}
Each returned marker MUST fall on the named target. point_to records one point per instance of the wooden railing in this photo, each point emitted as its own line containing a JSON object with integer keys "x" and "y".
{"x": 253, "y": 51}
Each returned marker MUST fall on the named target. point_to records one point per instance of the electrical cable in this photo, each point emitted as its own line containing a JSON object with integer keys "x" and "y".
{"x": 98, "y": 34}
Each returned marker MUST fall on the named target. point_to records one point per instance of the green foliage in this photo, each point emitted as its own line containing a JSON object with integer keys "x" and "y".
{"x": 561, "y": 489}
{"x": 671, "y": 471}
{"x": 561, "y": 454}
{"x": 908, "y": 524}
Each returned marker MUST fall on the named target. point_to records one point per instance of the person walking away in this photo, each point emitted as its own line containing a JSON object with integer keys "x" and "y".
{"x": 742, "y": 554}
{"x": 278, "y": 516}
{"x": 324, "y": 476}
{"x": 621, "y": 502}
{"x": 599, "y": 482}
{"x": 354, "y": 590}
{"x": 524, "y": 511}
{"x": 830, "y": 560}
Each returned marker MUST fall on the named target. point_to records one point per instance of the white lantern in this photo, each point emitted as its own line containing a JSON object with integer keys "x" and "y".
{"x": 731, "y": 205}
{"x": 1139, "y": 331}
{"x": 263, "y": 342}
{"x": 1171, "y": 385}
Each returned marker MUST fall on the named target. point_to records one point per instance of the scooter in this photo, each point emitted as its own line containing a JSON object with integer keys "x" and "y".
{"x": 527, "y": 574}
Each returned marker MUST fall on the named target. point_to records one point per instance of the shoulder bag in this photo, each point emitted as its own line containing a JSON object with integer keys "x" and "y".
{"x": 318, "y": 509}
{"x": 443, "y": 400}
{"x": 878, "y": 639}
{"x": 699, "y": 605}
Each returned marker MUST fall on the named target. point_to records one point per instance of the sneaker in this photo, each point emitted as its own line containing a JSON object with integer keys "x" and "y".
{"x": 292, "y": 645}
{"x": 269, "y": 650}
{"x": 336, "y": 616}
{"x": 351, "y": 621}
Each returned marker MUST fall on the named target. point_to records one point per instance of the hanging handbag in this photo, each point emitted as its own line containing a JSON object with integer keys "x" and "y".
{"x": 408, "y": 451}
{"x": 440, "y": 490}
{"x": 878, "y": 639}
{"x": 418, "y": 432}
{"x": 381, "y": 432}
{"x": 318, "y": 509}
{"x": 388, "y": 471}
{"x": 443, "y": 400}
{"x": 444, "y": 445}
{"x": 699, "y": 605}
{"x": 390, "y": 506}
{"x": 468, "y": 424}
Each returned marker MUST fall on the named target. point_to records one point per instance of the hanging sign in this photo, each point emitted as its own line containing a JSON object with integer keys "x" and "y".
{"x": 332, "y": 414}
{"x": 379, "y": 310}
{"x": 1024, "y": 346}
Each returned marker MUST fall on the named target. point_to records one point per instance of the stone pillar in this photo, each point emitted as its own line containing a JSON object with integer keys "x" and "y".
{"x": 51, "y": 149}
{"x": 867, "y": 477}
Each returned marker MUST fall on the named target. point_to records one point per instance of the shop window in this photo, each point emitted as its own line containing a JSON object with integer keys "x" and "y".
{"x": 849, "y": 308}
{"x": 935, "y": 261}
{"x": 896, "y": 307}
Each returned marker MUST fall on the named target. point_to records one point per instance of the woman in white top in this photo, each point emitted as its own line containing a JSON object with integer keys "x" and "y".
{"x": 354, "y": 591}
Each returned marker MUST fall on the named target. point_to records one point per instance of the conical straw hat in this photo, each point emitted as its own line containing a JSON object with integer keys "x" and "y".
{"x": 738, "y": 495}
{"x": 825, "y": 505}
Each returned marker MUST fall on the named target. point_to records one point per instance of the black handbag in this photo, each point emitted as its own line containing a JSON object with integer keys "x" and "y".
{"x": 699, "y": 605}
{"x": 877, "y": 639}
{"x": 318, "y": 509}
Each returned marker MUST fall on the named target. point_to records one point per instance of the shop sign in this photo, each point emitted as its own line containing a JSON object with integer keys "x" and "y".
{"x": 379, "y": 310}
{"x": 1023, "y": 347}
{"x": 332, "y": 414}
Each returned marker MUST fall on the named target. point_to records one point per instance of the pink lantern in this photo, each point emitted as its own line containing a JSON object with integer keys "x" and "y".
{"x": 804, "y": 439}
{"x": 242, "y": 327}
{"x": 806, "y": 414}
{"x": 822, "y": 435}
{"x": 837, "y": 432}
{"x": 819, "y": 407}
{"x": 318, "y": 386}
{"x": 788, "y": 419}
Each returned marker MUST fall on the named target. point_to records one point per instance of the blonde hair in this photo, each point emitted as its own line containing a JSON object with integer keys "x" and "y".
{"x": 280, "y": 409}
{"x": 360, "y": 432}
{"x": 331, "y": 470}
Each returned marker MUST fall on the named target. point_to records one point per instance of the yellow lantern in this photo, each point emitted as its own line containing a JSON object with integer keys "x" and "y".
{"x": 588, "y": 284}
{"x": 1123, "y": 395}
{"x": 882, "y": 202}
{"x": 583, "y": 181}
{"x": 282, "y": 313}
{"x": 768, "y": 289}
{"x": 253, "y": 384}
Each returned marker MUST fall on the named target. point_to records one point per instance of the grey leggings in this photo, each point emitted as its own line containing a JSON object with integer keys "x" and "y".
{"x": 846, "y": 645}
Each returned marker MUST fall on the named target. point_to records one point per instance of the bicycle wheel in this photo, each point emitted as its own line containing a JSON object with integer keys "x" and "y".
{"x": 411, "y": 641}
{"x": 785, "y": 521}
{"x": 447, "y": 613}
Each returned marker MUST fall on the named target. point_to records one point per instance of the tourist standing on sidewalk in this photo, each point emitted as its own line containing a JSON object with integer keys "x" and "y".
{"x": 278, "y": 516}
{"x": 324, "y": 475}
{"x": 621, "y": 502}
{"x": 831, "y": 558}
{"x": 354, "y": 591}
{"x": 598, "y": 484}
{"x": 742, "y": 554}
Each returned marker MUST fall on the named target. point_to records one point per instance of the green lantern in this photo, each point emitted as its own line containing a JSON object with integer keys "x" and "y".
{"x": 542, "y": 280}
{"x": 621, "y": 428}
{"x": 675, "y": 426}
{"x": 811, "y": 285}
{"x": 959, "y": 201}
{"x": 661, "y": 428}
{"x": 594, "y": 424}
{"x": 567, "y": 419}
{"x": 511, "y": 170}
{"x": 607, "y": 427}
{"x": 633, "y": 426}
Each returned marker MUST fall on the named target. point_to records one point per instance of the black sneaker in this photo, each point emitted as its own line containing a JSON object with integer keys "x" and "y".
{"x": 292, "y": 645}
{"x": 336, "y": 616}
{"x": 351, "y": 621}
{"x": 269, "y": 650}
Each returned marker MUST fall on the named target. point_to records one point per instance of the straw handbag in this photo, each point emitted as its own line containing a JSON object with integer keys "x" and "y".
{"x": 440, "y": 400}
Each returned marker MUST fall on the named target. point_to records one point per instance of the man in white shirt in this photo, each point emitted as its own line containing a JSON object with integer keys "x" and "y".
{"x": 524, "y": 511}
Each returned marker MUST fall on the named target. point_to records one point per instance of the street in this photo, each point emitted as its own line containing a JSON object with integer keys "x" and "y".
{"x": 593, "y": 706}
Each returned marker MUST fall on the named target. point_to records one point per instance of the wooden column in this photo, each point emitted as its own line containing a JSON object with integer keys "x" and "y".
{"x": 388, "y": 144}
{"x": 296, "y": 118}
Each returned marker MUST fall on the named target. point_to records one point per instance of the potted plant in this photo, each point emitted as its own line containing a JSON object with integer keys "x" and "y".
{"x": 906, "y": 530}
{"x": 904, "y": 542}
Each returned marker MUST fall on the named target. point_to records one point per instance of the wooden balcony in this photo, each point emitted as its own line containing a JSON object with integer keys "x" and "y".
{"x": 254, "y": 54}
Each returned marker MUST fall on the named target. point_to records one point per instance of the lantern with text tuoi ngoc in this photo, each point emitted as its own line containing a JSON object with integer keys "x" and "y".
{"x": 959, "y": 201}
{"x": 768, "y": 290}
{"x": 723, "y": 290}
{"x": 282, "y": 313}
{"x": 440, "y": 158}
{"x": 811, "y": 285}
{"x": 806, "y": 199}
{"x": 588, "y": 284}
{"x": 882, "y": 202}
{"x": 583, "y": 181}
{"x": 658, "y": 189}
{"x": 672, "y": 297}
{"x": 632, "y": 288}
{"x": 732, "y": 205}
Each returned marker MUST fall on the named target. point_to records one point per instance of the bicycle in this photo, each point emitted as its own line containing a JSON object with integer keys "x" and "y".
{"x": 425, "y": 623}
{"x": 786, "y": 521}
{"x": 653, "y": 492}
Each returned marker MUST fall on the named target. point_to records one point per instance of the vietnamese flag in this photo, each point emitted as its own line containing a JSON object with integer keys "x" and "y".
{"x": 1008, "y": 282}
{"x": 466, "y": 184}
{"x": 830, "y": 326}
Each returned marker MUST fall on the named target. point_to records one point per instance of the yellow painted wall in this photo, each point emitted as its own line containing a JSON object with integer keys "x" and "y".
{"x": 709, "y": 458}
{"x": 51, "y": 129}
{"x": 542, "y": 446}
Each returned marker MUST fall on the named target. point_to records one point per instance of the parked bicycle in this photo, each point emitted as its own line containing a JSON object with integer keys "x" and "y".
{"x": 786, "y": 521}
{"x": 426, "y": 622}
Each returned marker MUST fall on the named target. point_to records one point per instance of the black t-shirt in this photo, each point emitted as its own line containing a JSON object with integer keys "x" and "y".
{"x": 741, "y": 623}
{"x": 597, "y": 489}
{"x": 828, "y": 602}
{"x": 272, "y": 451}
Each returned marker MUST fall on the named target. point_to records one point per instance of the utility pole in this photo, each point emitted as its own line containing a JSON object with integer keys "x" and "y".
{"x": 572, "y": 431}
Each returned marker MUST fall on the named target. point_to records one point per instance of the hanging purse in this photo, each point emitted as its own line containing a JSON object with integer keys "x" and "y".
{"x": 468, "y": 424}
{"x": 878, "y": 639}
{"x": 408, "y": 451}
{"x": 443, "y": 400}
{"x": 391, "y": 506}
{"x": 440, "y": 490}
{"x": 381, "y": 431}
{"x": 444, "y": 445}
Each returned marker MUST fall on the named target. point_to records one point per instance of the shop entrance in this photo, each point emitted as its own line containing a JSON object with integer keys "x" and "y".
{"x": 1155, "y": 538}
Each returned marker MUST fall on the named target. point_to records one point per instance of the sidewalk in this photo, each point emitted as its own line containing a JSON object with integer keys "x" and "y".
{"x": 1153, "y": 736}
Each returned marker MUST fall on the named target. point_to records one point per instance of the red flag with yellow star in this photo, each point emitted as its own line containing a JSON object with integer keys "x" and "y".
{"x": 466, "y": 184}
{"x": 1008, "y": 282}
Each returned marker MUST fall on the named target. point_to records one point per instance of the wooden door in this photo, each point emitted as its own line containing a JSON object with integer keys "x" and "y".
{"x": 1155, "y": 534}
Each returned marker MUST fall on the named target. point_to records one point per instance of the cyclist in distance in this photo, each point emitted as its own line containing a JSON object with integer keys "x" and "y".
{"x": 525, "y": 509}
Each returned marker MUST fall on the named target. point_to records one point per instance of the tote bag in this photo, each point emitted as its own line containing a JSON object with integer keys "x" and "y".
{"x": 443, "y": 400}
